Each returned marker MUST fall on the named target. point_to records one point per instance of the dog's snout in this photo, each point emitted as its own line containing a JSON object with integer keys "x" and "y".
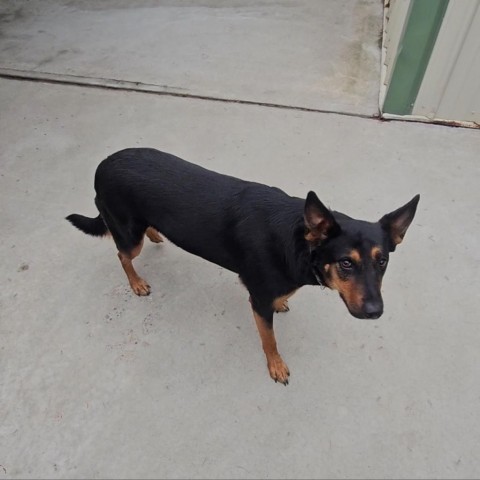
{"x": 373, "y": 309}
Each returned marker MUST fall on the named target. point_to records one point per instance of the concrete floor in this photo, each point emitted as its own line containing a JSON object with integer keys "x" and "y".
{"x": 98, "y": 383}
{"x": 322, "y": 55}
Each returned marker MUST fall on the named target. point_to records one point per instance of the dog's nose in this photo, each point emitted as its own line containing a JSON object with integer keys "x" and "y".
{"x": 373, "y": 309}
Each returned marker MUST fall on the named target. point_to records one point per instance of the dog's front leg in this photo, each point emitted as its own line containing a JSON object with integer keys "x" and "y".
{"x": 276, "y": 366}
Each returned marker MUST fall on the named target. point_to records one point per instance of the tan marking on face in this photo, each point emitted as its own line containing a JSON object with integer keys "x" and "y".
{"x": 355, "y": 256}
{"x": 376, "y": 252}
{"x": 326, "y": 267}
{"x": 350, "y": 290}
{"x": 311, "y": 237}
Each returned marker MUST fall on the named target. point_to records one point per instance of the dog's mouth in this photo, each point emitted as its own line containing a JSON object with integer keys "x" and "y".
{"x": 365, "y": 316}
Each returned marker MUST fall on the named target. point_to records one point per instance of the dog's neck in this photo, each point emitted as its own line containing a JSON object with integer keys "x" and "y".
{"x": 318, "y": 277}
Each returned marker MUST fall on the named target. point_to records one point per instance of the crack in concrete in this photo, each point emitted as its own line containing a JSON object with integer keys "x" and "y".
{"x": 139, "y": 87}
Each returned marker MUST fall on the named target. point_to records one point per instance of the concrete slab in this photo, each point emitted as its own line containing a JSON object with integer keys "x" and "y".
{"x": 322, "y": 55}
{"x": 97, "y": 383}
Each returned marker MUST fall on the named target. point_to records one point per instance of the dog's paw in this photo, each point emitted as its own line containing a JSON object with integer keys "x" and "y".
{"x": 153, "y": 235}
{"x": 278, "y": 370}
{"x": 140, "y": 287}
{"x": 282, "y": 307}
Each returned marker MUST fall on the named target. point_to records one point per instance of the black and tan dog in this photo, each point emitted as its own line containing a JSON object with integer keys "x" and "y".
{"x": 276, "y": 243}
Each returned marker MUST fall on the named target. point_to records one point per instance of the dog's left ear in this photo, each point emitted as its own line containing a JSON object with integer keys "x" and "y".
{"x": 319, "y": 221}
{"x": 397, "y": 222}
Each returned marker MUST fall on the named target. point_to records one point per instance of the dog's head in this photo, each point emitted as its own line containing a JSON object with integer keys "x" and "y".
{"x": 351, "y": 256}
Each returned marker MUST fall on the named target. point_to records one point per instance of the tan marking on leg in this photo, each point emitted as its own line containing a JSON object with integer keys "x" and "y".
{"x": 138, "y": 284}
{"x": 280, "y": 304}
{"x": 153, "y": 235}
{"x": 276, "y": 366}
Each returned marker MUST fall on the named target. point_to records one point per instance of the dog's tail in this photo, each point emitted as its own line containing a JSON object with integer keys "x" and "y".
{"x": 91, "y": 226}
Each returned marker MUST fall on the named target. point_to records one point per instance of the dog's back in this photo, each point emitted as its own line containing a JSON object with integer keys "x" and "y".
{"x": 197, "y": 209}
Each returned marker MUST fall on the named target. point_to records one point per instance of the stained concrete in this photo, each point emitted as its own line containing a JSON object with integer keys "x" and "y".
{"x": 98, "y": 383}
{"x": 314, "y": 54}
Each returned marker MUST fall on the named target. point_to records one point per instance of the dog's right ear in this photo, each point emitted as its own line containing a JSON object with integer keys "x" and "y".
{"x": 319, "y": 221}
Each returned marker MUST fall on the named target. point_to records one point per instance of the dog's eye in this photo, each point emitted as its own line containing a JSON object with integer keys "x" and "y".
{"x": 383, "y": 262}
{"x": 346, "y": 263}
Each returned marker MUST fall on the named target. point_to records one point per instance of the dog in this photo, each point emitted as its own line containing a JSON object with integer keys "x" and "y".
{"x": 274, "y": 242}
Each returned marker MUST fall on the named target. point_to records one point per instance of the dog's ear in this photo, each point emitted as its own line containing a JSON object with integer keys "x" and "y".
{"x": 319, "y": 221}
{"x": 397, "y": 222}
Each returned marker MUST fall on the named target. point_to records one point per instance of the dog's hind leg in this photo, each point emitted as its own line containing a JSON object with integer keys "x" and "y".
{"x": 153, "y": 235}
{"x": 128, "y": 233}
{"x": 138, "y": 284}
